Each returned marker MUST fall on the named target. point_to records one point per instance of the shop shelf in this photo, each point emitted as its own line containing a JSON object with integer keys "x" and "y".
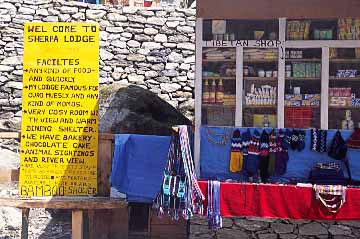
{"x": 260, "y": 78}
{"x": 260, "y": 106}
{"x": 220, "y": 77}
{"x": 261, "y": 60}
{"x": 303, "y": 78}
{"x": 299, "y": 107}
{"x": 339, "y": 60}
{"x": 303, "y": 60}
{"x": 217, "y": 106}
{"x": 334, "y": 78}
{"x": 223, "y": 60}
{"x": 345, "y": 107}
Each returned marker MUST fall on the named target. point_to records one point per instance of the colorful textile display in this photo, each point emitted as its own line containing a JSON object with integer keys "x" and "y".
{"x": 213, "y": 207}
{"x": 331, "y": 196}
{"x": 236, "y": 155}
{"x": 180, "y": 193}
{"x": 338, "y": 147}
{"x": 281, "y": 201}
{"x": 354, "y": 140}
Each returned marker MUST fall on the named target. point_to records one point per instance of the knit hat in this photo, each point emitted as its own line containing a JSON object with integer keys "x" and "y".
{"x": 354, "y": 140}
{"x": 236, "y": 156}
{"x": 338, "y": 147}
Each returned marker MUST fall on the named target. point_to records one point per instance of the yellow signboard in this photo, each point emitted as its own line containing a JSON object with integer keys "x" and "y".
{"x": 59, "y": 133}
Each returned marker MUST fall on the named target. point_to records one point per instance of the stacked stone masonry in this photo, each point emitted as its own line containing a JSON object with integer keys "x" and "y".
{"x": 152, "y": 48}
{"x": 263, "y": 228}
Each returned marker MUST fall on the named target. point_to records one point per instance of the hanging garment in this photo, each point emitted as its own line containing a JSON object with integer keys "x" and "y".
{"x": 272, "y": 153}
{"x": 252, "y": 164}
{"x": 213, "y": 207}
{"x": 318, "y": 140}
{"x": 331, "y": 196}
{"x": 301, "y": 144}
{"x": 322, "y": 141}
{"x": 246, "y": 139}
{"x": 282, "y": 156}
{"x": 264, "y": 156}
{"x": 236, "y": 155}
{"x": 180, "y": 193}
{"x": 294, "y": 139}
{"x": 338, "y": 147}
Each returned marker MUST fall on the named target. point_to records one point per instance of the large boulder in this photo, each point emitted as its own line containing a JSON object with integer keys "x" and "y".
{"x": 135, "y": 110}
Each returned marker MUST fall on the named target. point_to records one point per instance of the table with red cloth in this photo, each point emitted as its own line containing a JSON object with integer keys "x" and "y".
{"x": 280, "y": 201}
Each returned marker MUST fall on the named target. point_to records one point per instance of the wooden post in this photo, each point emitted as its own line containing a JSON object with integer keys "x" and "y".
{"x": 77, "y": 224}
{"x": 25, "y": 223}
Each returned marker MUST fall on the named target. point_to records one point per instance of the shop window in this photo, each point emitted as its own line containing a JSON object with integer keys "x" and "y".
{"x": 260, "y": 87}
{"x": 302, "y": 88}
{"x": 331, "y": 29}
{"x": 344, "y": 88}
{"x": 219, "y": 86}
{"x": 229, "y": 30}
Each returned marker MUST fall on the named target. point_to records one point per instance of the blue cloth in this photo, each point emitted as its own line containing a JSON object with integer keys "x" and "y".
{"x": 215, "y": 158}
{"x": 138, "y": 165}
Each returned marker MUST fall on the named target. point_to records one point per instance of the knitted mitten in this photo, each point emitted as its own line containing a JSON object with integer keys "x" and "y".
{"x": 322, "y": 141}
{"x": 294, "y": 139}
{"x": 301, "y": 144}
{"x": 236, "y": 156}
{"x": 252, "y": 165}
{"x": 272, "y": 153}
{"x": 314, "y": 140}
{"x": 287, "y": 139}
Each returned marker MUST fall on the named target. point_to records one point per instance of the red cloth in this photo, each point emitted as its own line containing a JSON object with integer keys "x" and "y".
{"x": 280, "y": 201}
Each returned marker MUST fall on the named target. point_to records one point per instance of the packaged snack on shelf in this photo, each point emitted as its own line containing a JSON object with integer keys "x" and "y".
{"x": 261, "y": 120}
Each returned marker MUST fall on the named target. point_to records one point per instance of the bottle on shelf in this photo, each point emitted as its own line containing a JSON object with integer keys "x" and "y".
{"x": 205, "y": 95}
{"x": 219, "y": 95}
{"x": 212, "y": 90}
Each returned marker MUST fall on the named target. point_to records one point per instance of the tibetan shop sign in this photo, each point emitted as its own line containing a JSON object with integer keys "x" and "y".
{"x": 59, "y": 134}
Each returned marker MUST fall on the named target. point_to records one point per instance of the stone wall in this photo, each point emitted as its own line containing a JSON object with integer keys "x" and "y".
{"x": 152, "y": 48}
{"x": 261, "y": 228}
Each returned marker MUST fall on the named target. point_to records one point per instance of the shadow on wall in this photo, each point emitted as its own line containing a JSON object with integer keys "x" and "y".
{"x": 135, "y": 110}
